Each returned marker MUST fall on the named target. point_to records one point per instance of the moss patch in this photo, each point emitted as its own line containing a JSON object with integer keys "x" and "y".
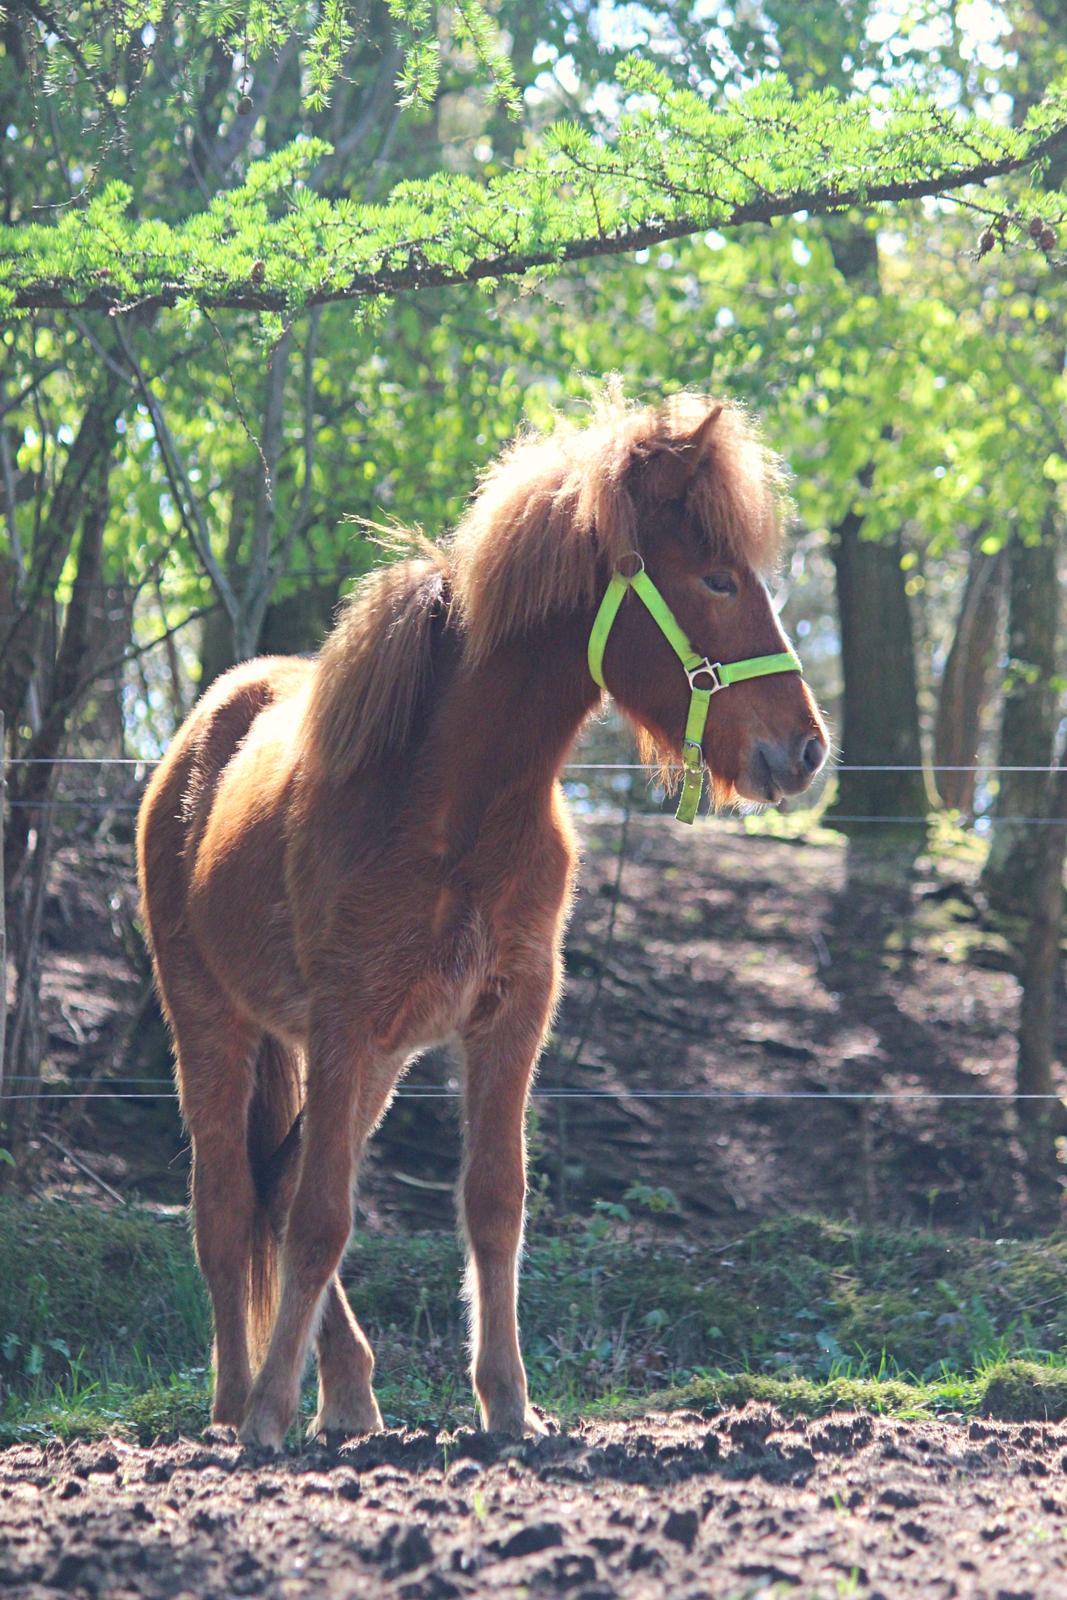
{"x": 891, "y": 1397}
{"x": 1023, "y": 1391}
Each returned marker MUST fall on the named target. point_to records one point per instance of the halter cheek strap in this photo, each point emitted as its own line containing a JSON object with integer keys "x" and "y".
{"x": 719, "y": 674}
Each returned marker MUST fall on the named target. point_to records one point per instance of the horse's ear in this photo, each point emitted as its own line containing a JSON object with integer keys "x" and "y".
{"x": 699, "y": 439}
{"x": 671, "y": 468}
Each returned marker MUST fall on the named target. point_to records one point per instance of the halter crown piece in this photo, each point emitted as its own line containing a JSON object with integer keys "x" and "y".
{"x": 721, "y": 674}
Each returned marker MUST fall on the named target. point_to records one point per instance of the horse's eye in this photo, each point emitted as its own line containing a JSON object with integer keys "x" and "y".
{"x": 720, "y": 583}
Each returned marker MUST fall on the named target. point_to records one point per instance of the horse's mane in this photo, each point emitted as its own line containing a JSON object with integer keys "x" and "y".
{"x": 376, "y": 662}
{"x": 559, "y": 510}
{"x": 553, "y": 515}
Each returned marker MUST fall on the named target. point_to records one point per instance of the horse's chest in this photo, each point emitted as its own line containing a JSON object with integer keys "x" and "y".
{"x": 459, "y": 943}
{"x": 430, "y": 979}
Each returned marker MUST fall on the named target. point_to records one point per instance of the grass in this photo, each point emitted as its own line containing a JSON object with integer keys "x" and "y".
{"x": 104, "y": 1325}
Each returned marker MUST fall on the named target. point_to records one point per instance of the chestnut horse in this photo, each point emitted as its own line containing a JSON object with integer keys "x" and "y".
{"x": 346, "y": 860}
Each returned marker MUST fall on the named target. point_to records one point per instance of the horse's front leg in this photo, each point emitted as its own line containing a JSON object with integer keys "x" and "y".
{"x": 501, "y": 1046}
{"x": 346, "y": 1094}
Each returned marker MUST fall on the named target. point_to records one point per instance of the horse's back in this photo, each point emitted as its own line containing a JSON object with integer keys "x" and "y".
{"x": 180, "y": 809}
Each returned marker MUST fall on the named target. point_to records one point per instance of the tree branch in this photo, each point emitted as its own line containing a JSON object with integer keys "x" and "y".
{"x": 417, "y": 272}
{"x": 28, "y": 388}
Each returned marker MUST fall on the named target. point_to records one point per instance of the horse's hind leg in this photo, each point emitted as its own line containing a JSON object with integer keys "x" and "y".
{"x": 346, "y": 1365}
{"x": 216, "y": 1064}
{"x": 345, "y": 1098}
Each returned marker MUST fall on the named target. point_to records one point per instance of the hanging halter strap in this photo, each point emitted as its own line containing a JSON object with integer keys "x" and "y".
{"x": 721, "y": 674}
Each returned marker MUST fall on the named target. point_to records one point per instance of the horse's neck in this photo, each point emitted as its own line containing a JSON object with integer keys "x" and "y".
{"x": 504, "y": 728}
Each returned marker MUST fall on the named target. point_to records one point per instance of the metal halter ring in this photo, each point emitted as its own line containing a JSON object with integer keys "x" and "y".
{"x": 714, "y": 671}
{"x": 630, "y": 576}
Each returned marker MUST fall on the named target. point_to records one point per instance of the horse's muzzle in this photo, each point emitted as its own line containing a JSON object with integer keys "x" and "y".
{"x": 778, "y": 768}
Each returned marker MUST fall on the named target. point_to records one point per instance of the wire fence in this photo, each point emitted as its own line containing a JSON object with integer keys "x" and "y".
{"x": 103, "y": 804}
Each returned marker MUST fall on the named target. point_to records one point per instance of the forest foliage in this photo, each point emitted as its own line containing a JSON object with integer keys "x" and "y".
{"x": 270, "y": 269}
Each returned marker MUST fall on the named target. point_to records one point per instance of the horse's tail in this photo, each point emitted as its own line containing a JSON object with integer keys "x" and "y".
{"x": 273, "y": 1143}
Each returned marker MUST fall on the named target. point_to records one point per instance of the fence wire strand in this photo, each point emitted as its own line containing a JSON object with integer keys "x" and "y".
{"x": 909, "y": 1096}
{"x": 99, "y": 806}
{"x": 572, "y": 766}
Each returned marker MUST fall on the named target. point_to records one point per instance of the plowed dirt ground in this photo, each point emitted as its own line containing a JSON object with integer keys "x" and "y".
{"x": 744, "y": 1503}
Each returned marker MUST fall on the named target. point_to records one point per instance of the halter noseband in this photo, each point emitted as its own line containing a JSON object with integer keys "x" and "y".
{"x": 722, "y": 674}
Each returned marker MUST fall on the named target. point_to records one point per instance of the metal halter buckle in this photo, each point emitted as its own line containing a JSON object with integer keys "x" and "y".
{"x": 714, "y": 671}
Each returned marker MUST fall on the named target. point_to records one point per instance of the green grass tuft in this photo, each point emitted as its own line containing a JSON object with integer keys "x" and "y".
{"x": 104, "y": 1323}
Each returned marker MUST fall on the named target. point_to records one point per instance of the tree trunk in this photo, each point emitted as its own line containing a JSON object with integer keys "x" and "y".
{"x": 217, "y": 647}
{"x": 3, "y": 916}
{"x": 1042, "y": 1121}
{"x": 70, "y": 678}
{"x": 880, "y": 701}
{"x": 297, "y": 623}
{"x": 1029, "y": 718}
{"x": 966, "y": 683}
{"x": 879, "y": 705}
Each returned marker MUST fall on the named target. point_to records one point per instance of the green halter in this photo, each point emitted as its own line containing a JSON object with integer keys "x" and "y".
{"x": 722, "y": 674}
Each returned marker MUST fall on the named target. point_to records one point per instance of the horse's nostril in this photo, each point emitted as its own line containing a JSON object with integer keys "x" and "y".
{"x": 812, "y": 754}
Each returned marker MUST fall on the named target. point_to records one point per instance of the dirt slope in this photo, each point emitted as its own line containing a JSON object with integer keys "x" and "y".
{"x": 731, "y": 963}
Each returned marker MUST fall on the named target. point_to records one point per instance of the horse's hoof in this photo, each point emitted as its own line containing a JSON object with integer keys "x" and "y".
{"x": 262, "y": 1433}
{"x": 220, "y": 1433}
{"x": 516, "y": 1425}
{"x": 336, "y": 1428}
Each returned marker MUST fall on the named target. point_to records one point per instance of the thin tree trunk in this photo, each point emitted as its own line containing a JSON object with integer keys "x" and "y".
{"x": 1042, "y": 1121}
{"x": 966, "y": 683}
{"x": 1041, "y": 956}
{"x": 3, "y": 916}
{"x": 262, "y": 574}
{"x": 1029, "y": 718}
{"x": 880, "y": 700}
{"x": 179, "y": 709}
{"x": 217, "y": 637}
{"x": 69, "y": 677}
{"x": 23, "y": 1070}
{"x": 252, "y": 571}
{"x": 20, "y": 643}
{"x": 30, "y": 832}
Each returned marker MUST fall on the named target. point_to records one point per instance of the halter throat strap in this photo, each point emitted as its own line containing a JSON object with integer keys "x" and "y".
{"x": 706, "y": 677}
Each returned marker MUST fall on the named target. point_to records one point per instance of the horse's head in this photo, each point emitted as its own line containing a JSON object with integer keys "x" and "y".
{"x": 705, "y": 497}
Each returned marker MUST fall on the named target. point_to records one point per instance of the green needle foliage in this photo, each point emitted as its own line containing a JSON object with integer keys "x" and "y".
{"x": 672, "y": 163}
